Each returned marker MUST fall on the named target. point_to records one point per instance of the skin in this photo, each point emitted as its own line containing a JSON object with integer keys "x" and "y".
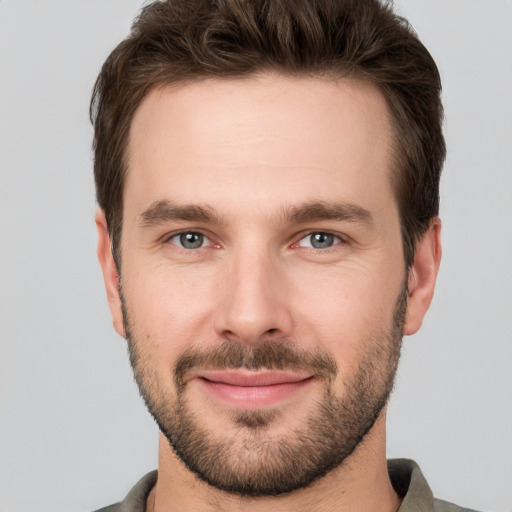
{"x": 252, "y": 149}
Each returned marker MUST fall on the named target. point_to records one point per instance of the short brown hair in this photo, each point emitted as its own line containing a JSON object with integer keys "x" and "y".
{"x": 177, "y": 41}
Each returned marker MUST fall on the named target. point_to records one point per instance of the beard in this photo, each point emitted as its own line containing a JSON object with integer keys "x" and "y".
{"x": 253, "y": 459}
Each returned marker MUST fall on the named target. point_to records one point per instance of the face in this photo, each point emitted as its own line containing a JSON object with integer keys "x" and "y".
{"x": 263, "y": 289}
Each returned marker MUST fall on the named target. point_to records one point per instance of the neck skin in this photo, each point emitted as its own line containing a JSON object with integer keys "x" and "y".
{"x": 360, "y": 484}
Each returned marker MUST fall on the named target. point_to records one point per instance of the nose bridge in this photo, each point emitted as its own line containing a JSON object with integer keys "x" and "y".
{"x": 252, "y": 306}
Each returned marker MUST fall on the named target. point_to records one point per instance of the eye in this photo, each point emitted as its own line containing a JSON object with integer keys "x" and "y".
{"x": 319, "y": 240}
{"x": 190, "y": 240}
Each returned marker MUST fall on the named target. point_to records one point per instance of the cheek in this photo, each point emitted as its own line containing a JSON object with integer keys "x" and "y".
{"x": 343, "y": 308}
{"x": 168, "y": 309}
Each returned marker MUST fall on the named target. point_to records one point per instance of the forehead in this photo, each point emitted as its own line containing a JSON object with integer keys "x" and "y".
{"x": 265, "y": 133}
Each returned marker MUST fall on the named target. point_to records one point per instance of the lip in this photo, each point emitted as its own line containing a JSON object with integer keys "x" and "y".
{"x": 250, "y": 390}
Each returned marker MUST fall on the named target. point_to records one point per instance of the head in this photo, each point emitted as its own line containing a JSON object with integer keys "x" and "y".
{"x": 268, "y": 179}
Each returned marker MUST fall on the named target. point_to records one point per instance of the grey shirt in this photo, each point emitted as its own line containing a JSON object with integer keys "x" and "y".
{"x": 405, "y": 476}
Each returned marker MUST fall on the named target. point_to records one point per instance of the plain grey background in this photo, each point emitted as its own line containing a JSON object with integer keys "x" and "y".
{"x": 74, "y": 434}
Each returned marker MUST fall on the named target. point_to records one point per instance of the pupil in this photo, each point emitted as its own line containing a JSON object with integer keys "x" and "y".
{"x": 322, "y": 240}
{"x": 191, "y": 240}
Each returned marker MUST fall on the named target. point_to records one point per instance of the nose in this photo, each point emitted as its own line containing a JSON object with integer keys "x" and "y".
{"x": 253, "y": 306}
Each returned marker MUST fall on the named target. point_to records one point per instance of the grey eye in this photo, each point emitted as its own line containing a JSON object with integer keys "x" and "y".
{"x": 322, "y": 240}
{"x": 319, "y": 240}
{"x": 190, "y": 240}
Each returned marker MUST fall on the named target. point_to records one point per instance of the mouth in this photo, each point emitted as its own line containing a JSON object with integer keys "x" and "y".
{"x": 252, "y": 389}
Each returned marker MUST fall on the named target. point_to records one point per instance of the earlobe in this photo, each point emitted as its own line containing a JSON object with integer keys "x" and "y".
{"x": 422, "y": 277}
{"x": 110, "y": 274}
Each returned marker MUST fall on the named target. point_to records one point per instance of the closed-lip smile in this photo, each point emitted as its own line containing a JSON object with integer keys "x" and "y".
{"x": 252, "y": 389}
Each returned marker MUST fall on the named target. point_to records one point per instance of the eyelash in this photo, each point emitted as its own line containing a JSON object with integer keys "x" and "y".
{"x": 337, "y": 240}
{"x": 168, "y": 239}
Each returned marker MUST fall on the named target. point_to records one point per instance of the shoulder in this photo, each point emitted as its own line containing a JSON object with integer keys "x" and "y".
{"x": 444, "y": 506}
{"x": 409, "y": 482}
{"x": 111, "y": 508}
{"x": 135, "y": 500}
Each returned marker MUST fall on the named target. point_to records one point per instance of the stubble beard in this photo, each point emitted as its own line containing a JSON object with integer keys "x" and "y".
{"x": 250, "y": 460}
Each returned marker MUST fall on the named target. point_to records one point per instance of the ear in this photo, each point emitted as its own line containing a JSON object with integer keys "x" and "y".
{"x": 110, "y": 274}
{"x": 422, "y": 277}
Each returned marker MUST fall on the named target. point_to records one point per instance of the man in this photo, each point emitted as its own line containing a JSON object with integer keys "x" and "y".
{"x": 267, "y": 175}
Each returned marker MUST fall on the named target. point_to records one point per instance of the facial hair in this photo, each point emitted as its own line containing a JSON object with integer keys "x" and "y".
{"x": 254, "y": 461}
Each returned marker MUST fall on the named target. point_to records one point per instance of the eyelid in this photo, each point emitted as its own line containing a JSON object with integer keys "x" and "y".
{"x": 341, "y": 239}
{"x": 169, "y": 236}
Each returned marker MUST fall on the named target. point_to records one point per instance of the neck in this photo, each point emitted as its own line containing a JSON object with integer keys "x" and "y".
{"x": 360, "y": 483}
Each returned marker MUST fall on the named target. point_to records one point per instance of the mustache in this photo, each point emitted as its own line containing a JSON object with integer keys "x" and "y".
{"x": 271, "y": 355}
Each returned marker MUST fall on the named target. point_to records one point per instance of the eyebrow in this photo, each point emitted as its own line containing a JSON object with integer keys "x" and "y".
{"x": 165, "y": 211}
{"x": 319, "y": 211}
